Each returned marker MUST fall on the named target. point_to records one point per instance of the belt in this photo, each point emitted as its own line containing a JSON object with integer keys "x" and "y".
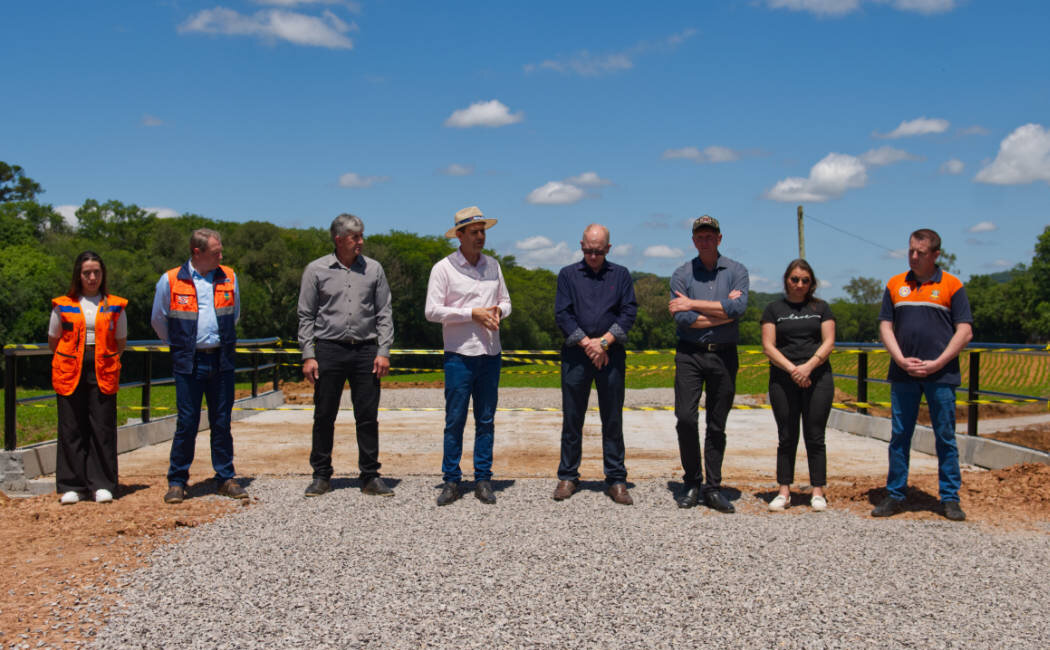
{"x": 207, "y": 350}
{"x": 350, "y": 341}
{"x": 706, "y": 347}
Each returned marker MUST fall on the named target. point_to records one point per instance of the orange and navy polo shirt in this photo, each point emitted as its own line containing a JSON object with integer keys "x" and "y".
{"x": 924, "y": 317}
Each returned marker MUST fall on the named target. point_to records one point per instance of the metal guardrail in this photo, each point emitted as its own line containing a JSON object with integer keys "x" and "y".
{"x": 149, "y": 348}
{"x": 973, "y": 391}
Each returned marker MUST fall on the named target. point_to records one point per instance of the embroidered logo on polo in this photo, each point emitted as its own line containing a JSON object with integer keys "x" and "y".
{"x": 182, "y": 300}
{"x": 904, "y": 291}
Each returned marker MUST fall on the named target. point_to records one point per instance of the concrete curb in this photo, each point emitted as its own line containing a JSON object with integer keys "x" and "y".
{"x": 973, "y": 450}
{"x": 18, "y": 468}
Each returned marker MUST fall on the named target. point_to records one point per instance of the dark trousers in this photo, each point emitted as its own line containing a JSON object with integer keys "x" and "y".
{"x": 206, "y": 381}
{"x": 790, "y": 402}
{"x": 338, "y": 362}
{"x": 87, "y": 437}
{"x": 694, "y": 369}
{"x": 577, "y": 374}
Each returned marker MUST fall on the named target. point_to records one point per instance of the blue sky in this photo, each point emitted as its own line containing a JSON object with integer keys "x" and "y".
{"x": 878, "y": 116}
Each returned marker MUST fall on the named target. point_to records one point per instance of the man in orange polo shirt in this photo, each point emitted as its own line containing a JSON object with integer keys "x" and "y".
{"x": 925, "y": 323}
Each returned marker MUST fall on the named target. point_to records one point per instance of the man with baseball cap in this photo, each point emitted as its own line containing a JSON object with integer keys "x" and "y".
{"x": 468, "y": 296}
{"x": 708, "y": 296}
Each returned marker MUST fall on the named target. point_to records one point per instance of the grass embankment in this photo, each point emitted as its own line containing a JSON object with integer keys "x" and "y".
{"x": 1020, "y": 373}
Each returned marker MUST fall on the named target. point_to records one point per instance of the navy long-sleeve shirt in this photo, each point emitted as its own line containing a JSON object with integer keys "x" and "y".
{"x": 589, "y": 304}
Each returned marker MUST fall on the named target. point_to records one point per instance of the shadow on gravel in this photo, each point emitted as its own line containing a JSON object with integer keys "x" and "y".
{"x": 915, "y": 500}
{"x": 346, "y": 483}
{"x": 731, "y": 493}
{"x": 466, "y": 487}
{"x": 797, "y": 498}
{"x": 598, "y": 486}
{"x": 124, "y": 490}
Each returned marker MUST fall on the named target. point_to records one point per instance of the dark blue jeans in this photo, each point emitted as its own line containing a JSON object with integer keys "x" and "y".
{"x": 216, "y": 386}
{"x": 467, "y": 377}
{"x": 577, "y": 374}
{"x": 904, "y": 397}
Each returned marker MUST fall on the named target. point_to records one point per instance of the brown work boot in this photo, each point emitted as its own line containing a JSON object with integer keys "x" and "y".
{"x": 175, "y": 494}
{"x": 231, "y": 488}
{"x": 565, "y": 490}
{"x": 618, "y": 493}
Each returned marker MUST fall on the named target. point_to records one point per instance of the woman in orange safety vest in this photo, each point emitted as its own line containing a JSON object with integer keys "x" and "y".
{"x": 87, "y": 333}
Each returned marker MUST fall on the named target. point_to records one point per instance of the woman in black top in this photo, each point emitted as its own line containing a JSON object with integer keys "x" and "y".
{"x": 798, "y": 334}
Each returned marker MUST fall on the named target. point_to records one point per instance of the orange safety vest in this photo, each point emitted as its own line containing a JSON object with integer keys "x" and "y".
{"x": 69, "y": 353}
{"x": 182, "y": 316}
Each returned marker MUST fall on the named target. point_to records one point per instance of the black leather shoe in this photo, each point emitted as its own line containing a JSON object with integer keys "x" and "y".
{"x": 715, "y": 500}
{"x": 449, "y": 493}
{"x": 483, "y": 491}
{"x": 376, "y": 486}
{"x": 689, "y": 498}
{"x": 318, "y": 487}
{"x": 953, "y": 511}
{"x": 888, "y": 507}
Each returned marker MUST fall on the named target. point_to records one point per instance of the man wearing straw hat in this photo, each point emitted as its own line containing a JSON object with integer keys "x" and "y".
{"x": 468, "y": 296}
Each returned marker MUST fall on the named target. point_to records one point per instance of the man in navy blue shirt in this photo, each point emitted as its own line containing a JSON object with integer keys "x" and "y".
{"x": 708, "y": 296}
{"x": 595, "y": 308}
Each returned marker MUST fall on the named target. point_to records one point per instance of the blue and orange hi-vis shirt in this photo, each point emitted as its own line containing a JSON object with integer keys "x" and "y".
{"x": 924, "y": 317}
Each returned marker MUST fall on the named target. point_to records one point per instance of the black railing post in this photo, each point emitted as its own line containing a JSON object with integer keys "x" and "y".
{"x": 277, "y": 371}
{"x": 975, "y": 371}
{"x": 148, "y": 372}
{"x": 862, "y": 381}
{"x": 255, "y": 374}
{"x": 10, "y": 401}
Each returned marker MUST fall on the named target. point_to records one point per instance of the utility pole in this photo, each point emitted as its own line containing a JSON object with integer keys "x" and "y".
{"x": 801, "y": 235}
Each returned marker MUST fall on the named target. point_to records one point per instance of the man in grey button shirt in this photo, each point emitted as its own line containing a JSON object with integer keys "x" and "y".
{"x": 345, "y": 332}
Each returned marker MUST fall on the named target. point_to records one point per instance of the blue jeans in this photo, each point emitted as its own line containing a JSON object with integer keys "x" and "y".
{"x": 216, "y": 386}
{"x": 467, "y": 377}
{"x": 905, "y": 396}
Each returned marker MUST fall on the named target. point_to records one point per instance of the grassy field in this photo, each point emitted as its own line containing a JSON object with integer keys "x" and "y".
{"x": 1022, "y": 373}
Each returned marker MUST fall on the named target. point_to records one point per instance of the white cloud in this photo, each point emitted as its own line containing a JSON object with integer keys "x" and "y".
{"x": 69, "y": 214}
{"x": 663, "y": 252}
{"x": 588, "y": 179}
{"x": 842, "y": 7}
{"x": 712, "y": 154}
{"x": 354, "y": 7}
{"x": 828, "y": 179}
{"x": 898, "y": 254}
{"x": 952, "y": 166}
{"x": 918, "y": 126}
{"x": 999, "y": 264}
{"x": 1024, "y": 157}
{"x": 976, "y": 129}
{"x": 762, "y": 283}
{"x": 457, "y": 170}
{"x": 533, "y": 243}
{"x": 492, "y": 113}
{"x": 163, "y": 213}
{"x": 984, "y": 226}
{"x": 588, "y": 64}
{"x": 885, "y": 156}
{"x": 328, "y": 30}
{"x": 356, "y": 181}
{"x": 540, "y": 251}
{"x": 623, "y": 250}
{"x": 151, "y": 120}
{"x": 555, "y": 193}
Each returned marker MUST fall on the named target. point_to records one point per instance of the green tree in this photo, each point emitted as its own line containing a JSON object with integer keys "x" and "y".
{"x": 15, "y": 185}
{"x": 865, "y": 291}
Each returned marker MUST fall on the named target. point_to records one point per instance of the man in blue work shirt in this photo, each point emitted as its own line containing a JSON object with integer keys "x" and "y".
{"x": 708, "y": 296}
{"x": 594, "y": 307}
{"x": 195, "y": 311}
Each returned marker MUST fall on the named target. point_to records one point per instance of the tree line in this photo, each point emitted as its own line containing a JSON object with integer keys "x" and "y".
{"x": 37, "y": 249}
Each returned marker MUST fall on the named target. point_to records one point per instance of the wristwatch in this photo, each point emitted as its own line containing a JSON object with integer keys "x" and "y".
{"x": 602, "y": 342}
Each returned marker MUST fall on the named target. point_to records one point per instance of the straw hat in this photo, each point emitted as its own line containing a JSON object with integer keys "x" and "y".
{"x": 467, "y": 216}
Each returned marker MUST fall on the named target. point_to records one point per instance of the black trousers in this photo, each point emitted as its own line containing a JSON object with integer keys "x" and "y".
{"x": 86, "y": 457}
{"x": 790, "y": 402}
{"x": 577, "y": 375}
{"x": 338, "y": 362}
{"x": 694, "y": 369}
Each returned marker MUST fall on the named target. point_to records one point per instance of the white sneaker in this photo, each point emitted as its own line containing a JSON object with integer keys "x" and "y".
{"x": 818, "y": 503}
{"x": 69, "y": 498}
{"x": 103, "y": 496}
{"x": 779, "y": 503}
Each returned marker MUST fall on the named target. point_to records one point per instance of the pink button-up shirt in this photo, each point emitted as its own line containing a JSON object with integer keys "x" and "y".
{"x": 454, "y": 289}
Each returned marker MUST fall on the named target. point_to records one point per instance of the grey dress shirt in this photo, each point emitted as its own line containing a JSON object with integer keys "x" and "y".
{"x": 695, "y": 281}
{"x": 345, "y": 304}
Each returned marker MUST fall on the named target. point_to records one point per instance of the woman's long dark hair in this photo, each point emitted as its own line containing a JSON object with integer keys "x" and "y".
{"x": 75, "y": 287}
{"x": 800, "y": 263}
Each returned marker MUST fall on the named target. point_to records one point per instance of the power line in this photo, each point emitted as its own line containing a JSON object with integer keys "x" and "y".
{"x": 848, "y": 233}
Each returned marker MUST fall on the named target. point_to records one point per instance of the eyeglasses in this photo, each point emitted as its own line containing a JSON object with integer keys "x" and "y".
{"x": 797, "y": 280}
{"x": 593, "y": 251}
